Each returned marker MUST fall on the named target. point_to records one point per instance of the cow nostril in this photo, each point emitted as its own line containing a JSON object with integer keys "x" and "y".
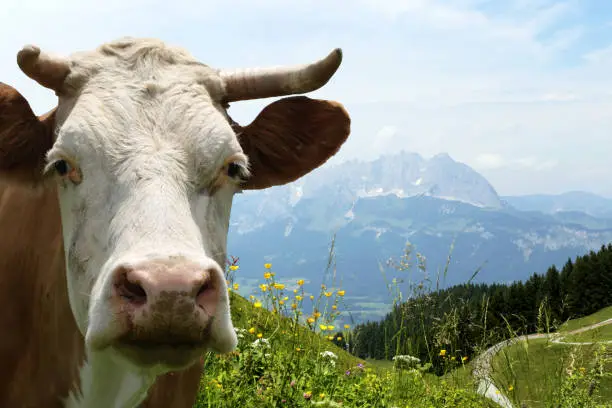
{"x": 207, "y": 297}
{"x": 133, "y": 292}
{"x": 205, "y": 287}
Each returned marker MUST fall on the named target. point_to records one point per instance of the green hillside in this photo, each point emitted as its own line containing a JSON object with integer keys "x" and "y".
{"x": 291, "y": 349}
{"x": 598, "y": 334}
{"x": 599, "y": 316}
{"x": 289, "y": 357}
{"x": 546, "y": 372}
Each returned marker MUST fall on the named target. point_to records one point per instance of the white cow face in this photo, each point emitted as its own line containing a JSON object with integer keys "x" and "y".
{"x": 148, "y": 168}
{"x": 147, "y": 162}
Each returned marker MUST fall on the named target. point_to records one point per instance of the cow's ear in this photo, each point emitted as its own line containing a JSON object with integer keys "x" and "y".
{"x": 24, "y": 138}
{"x": 291, "y": 137}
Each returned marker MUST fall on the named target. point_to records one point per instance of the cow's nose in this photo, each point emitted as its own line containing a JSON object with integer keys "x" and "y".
{"x": 153, "y": 282}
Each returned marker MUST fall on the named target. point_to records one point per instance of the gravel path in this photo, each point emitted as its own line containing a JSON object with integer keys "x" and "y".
{"x": 482, "y": 364}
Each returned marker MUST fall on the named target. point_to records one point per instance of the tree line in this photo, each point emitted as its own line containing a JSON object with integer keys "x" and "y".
{"x": 465, "y": 319}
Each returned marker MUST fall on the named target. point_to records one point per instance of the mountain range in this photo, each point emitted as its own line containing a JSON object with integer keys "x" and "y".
{"x": 443, "y": 208}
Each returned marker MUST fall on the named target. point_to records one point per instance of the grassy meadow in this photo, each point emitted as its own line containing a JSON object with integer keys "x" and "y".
{"x": 597, "y": 334}
{"x": 286, "y": 357}
{"x": 544, "y": 372}
{"x": 599, "y": 316}
{"x": 291, "y": 354}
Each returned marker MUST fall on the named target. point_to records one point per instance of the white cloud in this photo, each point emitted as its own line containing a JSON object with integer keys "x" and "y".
{"x": 533, "y": 163}
{"x": 495, "y": 161}
{"x": 559, "y": 97}
{"x": 489, "y": 161}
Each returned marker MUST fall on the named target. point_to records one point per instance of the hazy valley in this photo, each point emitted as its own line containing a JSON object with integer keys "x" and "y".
{"x": 375, "y": 207}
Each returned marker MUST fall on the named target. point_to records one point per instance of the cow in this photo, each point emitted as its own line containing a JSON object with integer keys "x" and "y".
{"x": 114, "y": 214}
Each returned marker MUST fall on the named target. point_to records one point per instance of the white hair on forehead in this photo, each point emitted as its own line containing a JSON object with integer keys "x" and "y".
{"x": 150, "y": 62}
{"x": 148, "y": 89}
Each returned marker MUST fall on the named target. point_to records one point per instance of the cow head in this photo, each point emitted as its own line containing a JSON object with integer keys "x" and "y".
{"x": 147, "y": 161}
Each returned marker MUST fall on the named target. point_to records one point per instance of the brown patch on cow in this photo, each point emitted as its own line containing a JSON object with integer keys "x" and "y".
{"x": 291, "y": 137}
{"x": 24, "y": 138}
{"x": 176, "y": 390}
{"x": 41, "y": 349}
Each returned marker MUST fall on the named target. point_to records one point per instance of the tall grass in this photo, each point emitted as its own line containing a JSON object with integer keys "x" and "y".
{"x": 289, "y": 355}
{"x": 530, "y": 373}
{"x": 292, "y": 351}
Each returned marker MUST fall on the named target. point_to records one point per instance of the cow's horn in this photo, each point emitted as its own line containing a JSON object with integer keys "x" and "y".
{"x": 48, "y": 71}
{"x": 254, "y": 83}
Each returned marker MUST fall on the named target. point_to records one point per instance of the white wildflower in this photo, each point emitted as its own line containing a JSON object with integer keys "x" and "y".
{"x": 328, "y": 354}
{"x": 261, "y": 342}
{"x": 405, "y": 361}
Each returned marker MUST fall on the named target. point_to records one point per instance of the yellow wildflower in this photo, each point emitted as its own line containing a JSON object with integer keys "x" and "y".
{"x": 310, "y": 320}
{"x": 328, "y": 294}
{"x": 298, "y": 298}
{"x": 330, "y": 338}
{"x": 257, "y": 304}
{"x": 259, "y": 335}
{"x": 346, "y": 326}
{"x": 279, "y": 286}
{"x": 330, "y": 327}
{"x": 263, "y": 287}
{"x": 311, "y": 297}
{"x": 323, "y": 327}
{"x": 464, "y": 358}
{"x": 317, "y": 314}
{"x": 267, "y": 265}
{"x": 267, "y": 275}
{"x": 236, "y": 286}
{"x": 340, "y": 293}
{"x": 510, "y": 388}
{"x": 300, "y": 282}
{"x": 233, "y": 267}
{"x": 281, "y": 302}
{"x": 442, "y": 352}
{"x": 293, "y": 306}
{"x": 252, "y": 330}
{"x": 339, "y": 338}
{"x": 334, "y": 307}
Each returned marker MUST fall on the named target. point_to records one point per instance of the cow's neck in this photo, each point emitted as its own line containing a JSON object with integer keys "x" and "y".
{"x": 105, "y": 383}
{"x": 40, "y": 345}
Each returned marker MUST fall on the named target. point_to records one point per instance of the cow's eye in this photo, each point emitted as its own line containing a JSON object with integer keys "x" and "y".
{"x": 67, "y": 171}
{"x": 236, "y": 171}
{"x": 233, "y": 170}
{"x": 62, "y": 167}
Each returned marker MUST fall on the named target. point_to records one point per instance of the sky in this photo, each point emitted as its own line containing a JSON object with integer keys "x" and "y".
{"x": 520, "y": 90}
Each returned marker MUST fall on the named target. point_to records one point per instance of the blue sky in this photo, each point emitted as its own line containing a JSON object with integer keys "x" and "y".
{"x": 521, "y": 90}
